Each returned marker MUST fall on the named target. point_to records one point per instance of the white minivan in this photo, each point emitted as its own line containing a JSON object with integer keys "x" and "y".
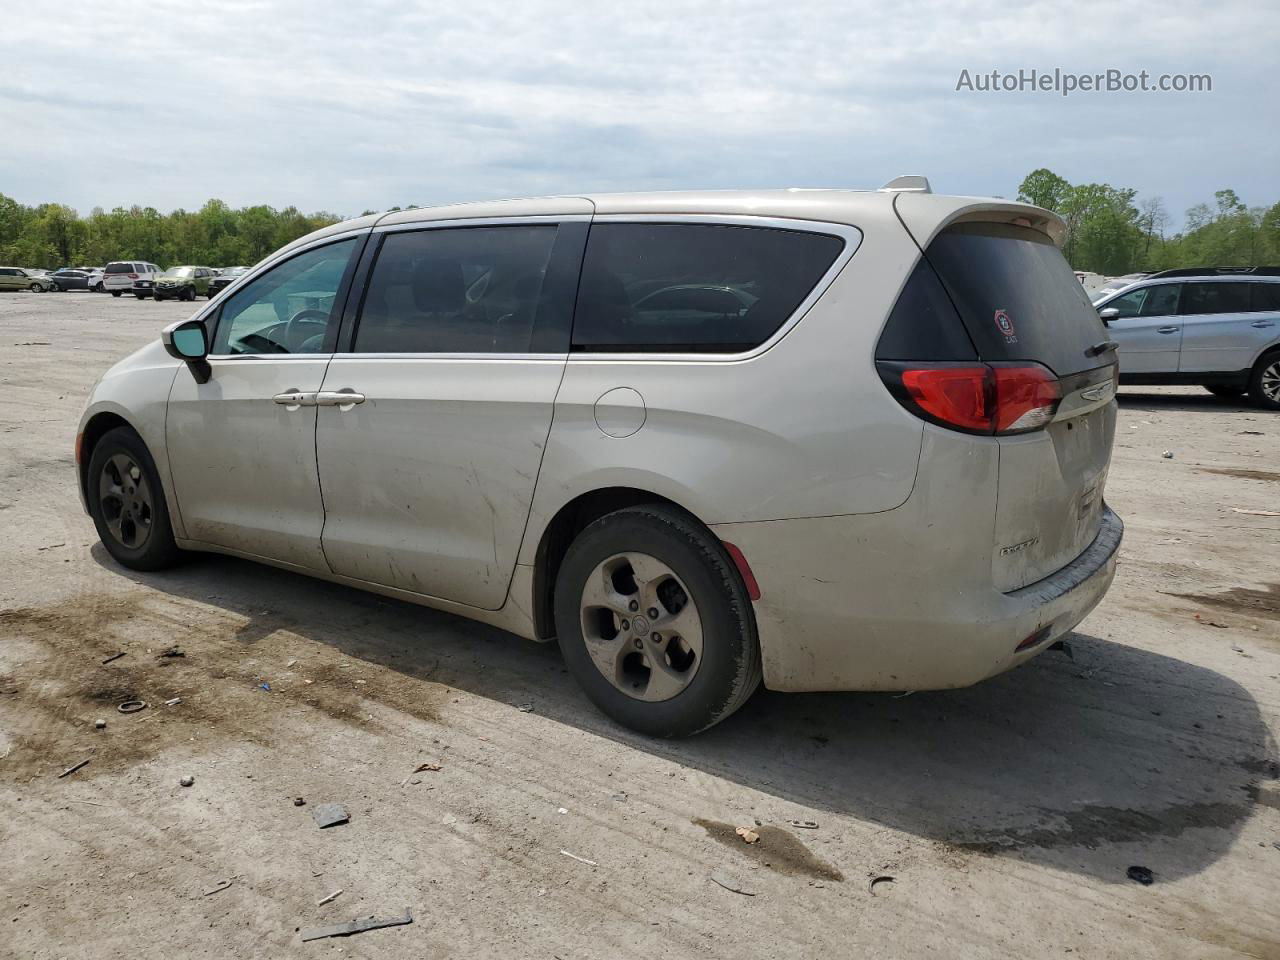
{"x": 833, "y": 440}
{"x": 130, "y": 276}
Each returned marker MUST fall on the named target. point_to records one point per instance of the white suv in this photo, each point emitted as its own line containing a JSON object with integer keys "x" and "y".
{"x": 700, "y": 438}
{"x": 1216, "y": 327}
{"x": 130, "y": 276}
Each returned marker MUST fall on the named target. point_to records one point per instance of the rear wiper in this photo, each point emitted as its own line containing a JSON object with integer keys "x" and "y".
{"x": 1100, "y": 348}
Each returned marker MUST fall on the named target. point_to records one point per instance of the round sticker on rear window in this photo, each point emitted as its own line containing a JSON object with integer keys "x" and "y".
{"x": 1005, "y": 323}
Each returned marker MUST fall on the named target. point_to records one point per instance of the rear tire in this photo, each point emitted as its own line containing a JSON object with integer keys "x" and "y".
{"x": 1225, "y": 392}
{"x": 698, "y": 682}
{"x": 127, "y": 503}
{"x": 115, "y": 293}
{"x": 1264, "y": 382}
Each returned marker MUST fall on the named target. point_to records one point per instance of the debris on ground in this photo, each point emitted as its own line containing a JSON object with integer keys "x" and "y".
{"x": 114, "y": 656}
{"x": 329, "y": 815}
{"x": 171, "y": 652}
{"x": 1168, "y": 454}
{"x": 186, "y": 780}
{"x": 747, "y": 834}
{"x": 299, "y": 801}
{"x": 132, "y": 706}
{"x": 730, "y": 884}
{"x": 574, "y": 856}
{"x": 329, "y": 899}
{"x": 70, "y": 770}
{"x": 292, "y": 662}
{"x": 874, "y": 880}
{"x": 1256, "y": 513}
{"x": 804, "y": 824}
{"x": 221, "y": 885}
{"x": 100, "y": 723}
{"x": 525, "y": 707}
{"x": 620, "y": 797}
{"x": 1142, "y": 875}
{"x": 1211, "y": 623}
{"x": 265, "y": 686}
{"x": 355, "y": 926}
{"x": 1251, "y": 433}
{"x": 174, "y": 702}
{"x": 422, "y": 768}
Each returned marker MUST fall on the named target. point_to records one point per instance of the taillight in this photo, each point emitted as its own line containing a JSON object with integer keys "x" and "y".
{"x": 133, "y": 276}
{"x": 984, "y": 398}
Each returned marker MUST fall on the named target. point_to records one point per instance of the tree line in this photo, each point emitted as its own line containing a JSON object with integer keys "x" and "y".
{"x": 54, "y": 235}
{"x": 1113, "y": 232}
{"x": 1109, "y": 231}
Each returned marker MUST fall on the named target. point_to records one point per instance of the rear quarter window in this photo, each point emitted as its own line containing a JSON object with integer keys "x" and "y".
{"x": 1265, "y": 296}
{"x": 693, "y": 288}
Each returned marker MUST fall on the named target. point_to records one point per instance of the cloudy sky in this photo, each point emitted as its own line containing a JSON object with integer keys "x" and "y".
{"x": 347, "y": 105}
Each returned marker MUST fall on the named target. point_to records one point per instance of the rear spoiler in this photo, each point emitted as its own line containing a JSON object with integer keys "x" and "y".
{"x": 924, "y": 215}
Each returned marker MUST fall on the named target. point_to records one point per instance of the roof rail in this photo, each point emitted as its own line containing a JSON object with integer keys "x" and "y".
{"x": 911, "y": 183}
{"x": 1218, "y": 272}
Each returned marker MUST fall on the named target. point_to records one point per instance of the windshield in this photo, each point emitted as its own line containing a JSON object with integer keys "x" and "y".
{"x": 182, "y": 272}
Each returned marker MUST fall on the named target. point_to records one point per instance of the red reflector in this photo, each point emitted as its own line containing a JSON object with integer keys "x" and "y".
{"x": 133, "y": 276}
{"x": 79, "y": 447}
{"x": 1036, "y": 638}
{"x": 748, "y": 578}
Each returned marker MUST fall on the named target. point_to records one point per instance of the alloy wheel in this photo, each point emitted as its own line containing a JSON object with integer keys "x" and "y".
{"x": 126, "y": 501}
{"x": 641, "y": 627}
{"x": 1270, "y": 382}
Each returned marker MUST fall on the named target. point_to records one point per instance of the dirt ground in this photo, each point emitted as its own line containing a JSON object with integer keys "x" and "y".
{"x": 1007, "y": 814}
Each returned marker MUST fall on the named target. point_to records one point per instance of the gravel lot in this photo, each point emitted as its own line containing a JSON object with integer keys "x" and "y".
{"x": 1007, "y": 813}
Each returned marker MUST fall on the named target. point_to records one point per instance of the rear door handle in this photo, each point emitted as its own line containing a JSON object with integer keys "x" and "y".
{"x": 1262, "y": 323}
{"x": 1167, "y": 329}
{"x": 295, "y": 399}
{"x": 338, "y": 398}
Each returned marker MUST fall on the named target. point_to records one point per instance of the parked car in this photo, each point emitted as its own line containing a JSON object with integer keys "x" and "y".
{"x": 19, "y": 278}
{"x": 70, "y": 280}
{"x": 94, "y": 279}
{"x": 225, "y": 277}
{"x": 1216, "y": 327}
{"x": 183, "y": 283}
{"x": 129, "y": 276}
{"x": 884, "y": 472}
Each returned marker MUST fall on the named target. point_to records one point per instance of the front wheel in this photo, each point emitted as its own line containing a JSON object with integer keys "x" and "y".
{"x": 654, "y": 622}
{"x": 34, "y": 288}
{"x": 127, "y": 503}
{"x": 1264, "y": 383}
{"x": 115, "y": 293}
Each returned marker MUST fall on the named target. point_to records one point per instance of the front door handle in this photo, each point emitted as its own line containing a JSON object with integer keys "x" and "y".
{"x": 1167, "y": 329}
{"x": 345, "y": 398}
{"x": 294, "y": 399}
{"x": 1262, "y": 323}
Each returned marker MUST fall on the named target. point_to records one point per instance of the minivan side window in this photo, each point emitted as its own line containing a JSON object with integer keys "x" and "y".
{"x": 456, "y": 290}
{"x": 1201, "y": 297}
{"x": 289, "y": 308}
{"x": 693, "y": 288}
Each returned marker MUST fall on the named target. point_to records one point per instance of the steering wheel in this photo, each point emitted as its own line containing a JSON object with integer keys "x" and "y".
{"x": 296, "y": 333}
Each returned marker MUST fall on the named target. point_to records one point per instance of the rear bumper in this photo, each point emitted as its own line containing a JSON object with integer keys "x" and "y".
{"x": 877, "y": 603}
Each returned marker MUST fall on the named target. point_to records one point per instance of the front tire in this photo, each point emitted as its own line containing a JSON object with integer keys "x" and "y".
{"x": 655, "y": 623}
{"x": 1264, "y": 382}
{"x": 115, "y": 293}
{"x": 127, "y": 503}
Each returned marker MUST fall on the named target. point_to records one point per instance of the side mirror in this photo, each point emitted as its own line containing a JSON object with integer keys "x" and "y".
{"x": 189, "y": 341}
{"x": 1107, "y": 314}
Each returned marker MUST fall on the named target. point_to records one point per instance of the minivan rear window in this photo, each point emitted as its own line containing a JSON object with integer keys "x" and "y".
{"x": 119, "y": 268}
{"x": 693, "y": 288}
{"x": 1017, "y": 296}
